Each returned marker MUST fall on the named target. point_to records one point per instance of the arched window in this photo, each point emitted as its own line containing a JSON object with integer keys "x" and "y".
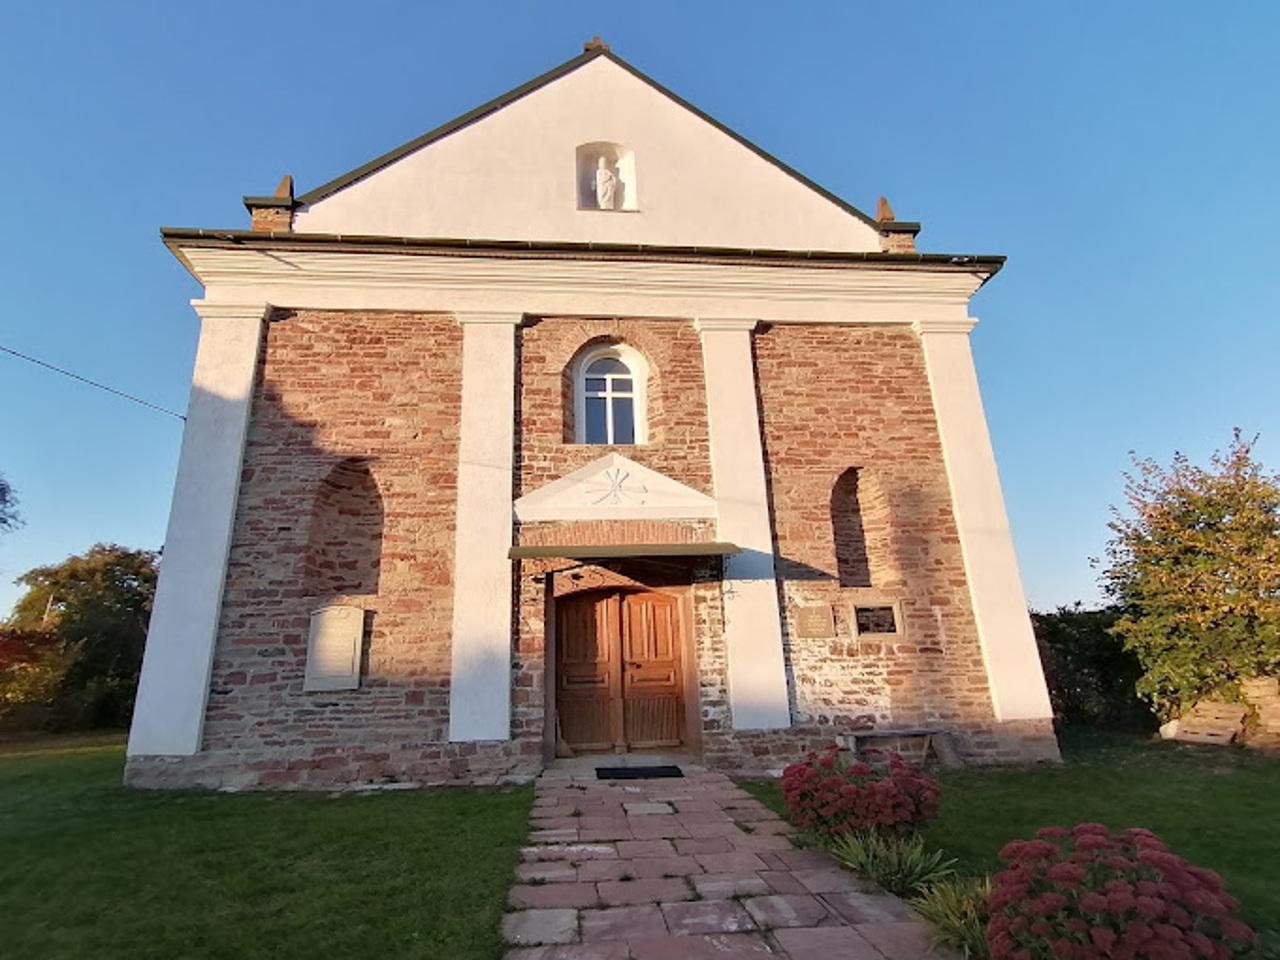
{"x": 609, "y": 396}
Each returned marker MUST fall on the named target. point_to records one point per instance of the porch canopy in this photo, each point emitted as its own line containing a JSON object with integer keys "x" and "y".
{"x": 586, "y": 551}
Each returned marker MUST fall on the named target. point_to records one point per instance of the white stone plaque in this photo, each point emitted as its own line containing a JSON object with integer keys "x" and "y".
{"x": 815, "y": 621}
{"x": 333, "y": 649}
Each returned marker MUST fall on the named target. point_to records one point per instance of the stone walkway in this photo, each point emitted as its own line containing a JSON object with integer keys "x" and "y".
{"x": 684, "y": 869}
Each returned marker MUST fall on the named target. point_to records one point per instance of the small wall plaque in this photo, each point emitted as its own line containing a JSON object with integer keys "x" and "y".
{"x": 816, "y": 621}
{"x": 333, "y": 649}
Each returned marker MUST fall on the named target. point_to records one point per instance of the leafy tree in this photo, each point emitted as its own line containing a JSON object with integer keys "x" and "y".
{"x": 9, "y": 518}
{"x": 97, "y": 605}
{"x": 1196, "y": 572}
{"x": 32, "y": 665}
{"x": 1092, "y": 678}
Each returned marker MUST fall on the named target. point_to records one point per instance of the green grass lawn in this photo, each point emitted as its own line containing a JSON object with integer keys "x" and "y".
{"x": 90, "y": 869}
{"x": 1218, "y": 807}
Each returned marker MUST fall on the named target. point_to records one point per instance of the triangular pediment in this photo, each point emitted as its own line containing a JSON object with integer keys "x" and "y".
{"x": 523, "y": 168}
{"x": 614, "y": 488}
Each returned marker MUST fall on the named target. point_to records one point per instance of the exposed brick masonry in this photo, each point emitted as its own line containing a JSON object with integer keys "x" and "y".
{"x": 381, "y": 390}
{"x": 840, "y": 398}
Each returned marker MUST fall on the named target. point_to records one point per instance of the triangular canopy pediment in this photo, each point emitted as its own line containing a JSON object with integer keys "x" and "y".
{"x": 523, "y": 167}
{"x": 614, "y": 488}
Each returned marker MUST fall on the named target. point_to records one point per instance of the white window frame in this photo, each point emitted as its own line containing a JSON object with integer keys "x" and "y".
{"x": 639, "y": 370}
{"x": 900, "y": 625}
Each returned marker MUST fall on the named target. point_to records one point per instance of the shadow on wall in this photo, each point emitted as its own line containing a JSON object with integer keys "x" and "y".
{"x": 344, "y": 536}
{"x": 852, "y": 565}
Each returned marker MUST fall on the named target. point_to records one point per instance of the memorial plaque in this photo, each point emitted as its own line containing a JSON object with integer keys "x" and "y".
{"x": 333, "y": 649}
{"x": 816, "y": 621}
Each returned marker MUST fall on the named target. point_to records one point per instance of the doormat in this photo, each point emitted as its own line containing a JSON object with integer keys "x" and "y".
{"x": 638, "y": 773}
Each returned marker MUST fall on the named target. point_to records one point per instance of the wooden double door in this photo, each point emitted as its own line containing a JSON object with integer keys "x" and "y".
{"x": 618, "y": 673}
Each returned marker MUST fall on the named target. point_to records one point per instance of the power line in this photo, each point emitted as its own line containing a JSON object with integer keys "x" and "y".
{"x": 92, "y": 383}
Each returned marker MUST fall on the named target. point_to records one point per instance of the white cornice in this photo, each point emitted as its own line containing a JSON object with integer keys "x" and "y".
{"x": 722, "y": 324}
{"x": 951, "y": 325}
{"x": 512, "y": 319}
{"x": 379, "y": 280}
{"x": 224, "y": 310}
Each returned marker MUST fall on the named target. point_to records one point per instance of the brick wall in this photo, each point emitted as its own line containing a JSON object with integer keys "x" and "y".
{"x": 375, "y": 392}
{"x": 348, "y": 495}
{"x": 679, "y": 444}
{"x": 841, "y": 399}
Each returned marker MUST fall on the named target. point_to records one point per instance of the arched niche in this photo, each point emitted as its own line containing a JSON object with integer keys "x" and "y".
{"x": 344, "y": 542}
{"x": 619, "y": 162}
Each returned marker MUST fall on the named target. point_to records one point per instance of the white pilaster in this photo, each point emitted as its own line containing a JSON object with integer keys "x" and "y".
{"x": 480, "y": 685}
{"x": 168, "y": 718}
{"x": 753, "y": 629}
{"x": 1018, "y": 689}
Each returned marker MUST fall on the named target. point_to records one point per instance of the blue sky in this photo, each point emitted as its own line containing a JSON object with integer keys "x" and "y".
{"x": 1123, "y": 156}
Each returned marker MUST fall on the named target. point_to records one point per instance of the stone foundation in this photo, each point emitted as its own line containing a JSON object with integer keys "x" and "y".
{"x": 426, "y": 765}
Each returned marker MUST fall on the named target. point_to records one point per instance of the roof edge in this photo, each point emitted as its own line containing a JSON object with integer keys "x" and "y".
{"x": 452, "y": 126}
{"x": 492, "y": 106}
{"x": 172, "y": 237}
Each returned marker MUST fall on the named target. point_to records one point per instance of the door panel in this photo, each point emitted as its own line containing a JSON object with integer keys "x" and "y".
{"x": 651, "y": 681}
{"x": 588, "y": 671}
{"x": 618, "y": 678}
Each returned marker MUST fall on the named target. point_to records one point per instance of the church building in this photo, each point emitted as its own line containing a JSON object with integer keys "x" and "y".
{"x": 578, "y": 426}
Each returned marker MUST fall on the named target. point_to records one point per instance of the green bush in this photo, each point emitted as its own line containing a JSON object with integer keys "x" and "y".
{"x": 957, "y": 909}
{"x": 901, "y": 865}
{"x": 1092, "y": 678}
{"x": 1195, "y": 567}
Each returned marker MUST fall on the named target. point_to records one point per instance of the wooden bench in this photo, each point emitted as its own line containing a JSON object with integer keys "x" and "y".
{"x": 941, "y": 742}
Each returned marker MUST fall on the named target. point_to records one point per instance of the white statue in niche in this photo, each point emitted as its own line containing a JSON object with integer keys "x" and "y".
{"x": 606, "y": 186}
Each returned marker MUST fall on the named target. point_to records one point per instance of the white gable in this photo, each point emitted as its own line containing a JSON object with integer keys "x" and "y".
{"x": 514, "y": 175}
{"x": 614, "y": 488}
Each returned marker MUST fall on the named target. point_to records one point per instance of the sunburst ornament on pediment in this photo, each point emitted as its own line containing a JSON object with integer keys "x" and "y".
{"x": 615, "y": 488}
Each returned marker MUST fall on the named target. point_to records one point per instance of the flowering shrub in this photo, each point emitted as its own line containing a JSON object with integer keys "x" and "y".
{"x": 831, "y": 795}
{"x": 1086, "y": 893}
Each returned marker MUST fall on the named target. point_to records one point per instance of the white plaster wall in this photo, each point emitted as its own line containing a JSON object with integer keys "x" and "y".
{"x": 1013, "y": 664}
{"x": 752, "y": 622}
{"x": 512, "y": 176}
{"x": 168, "y": 719}
{"x": 480, "y": 685}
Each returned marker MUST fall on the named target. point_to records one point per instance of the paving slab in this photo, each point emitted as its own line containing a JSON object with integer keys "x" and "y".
{"x": 788, "y": 910}
{"x": 651, "y": 868}
{"x": 594, "y": 871}
{"x": 689, "y": 870}
{"x": 858, "y": 908}
{"x": 691, "y": 845}
{"x": 618, "y": 950}
{"x": 549, "y": 871}
{"x": 715, "y": 947}
{"x": 736, "y": 862}
{"x": 622, "y": 923}
{"x": 725, "y": 886}
{"x": 533, "y": 927}
{"x": 829, "y": 880}
{"x": 646, "y": 848}
{"x": 903, "y": 940}
{"x": 618, "y": 893}
{"x": 783, "y": 881}
{"x": 707, "y": 916}
{"x": 572, "y": 852}
{"x": 826, "y": 943}
{"x": 524, "y": 896}
{"x": 644, "y": 809}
